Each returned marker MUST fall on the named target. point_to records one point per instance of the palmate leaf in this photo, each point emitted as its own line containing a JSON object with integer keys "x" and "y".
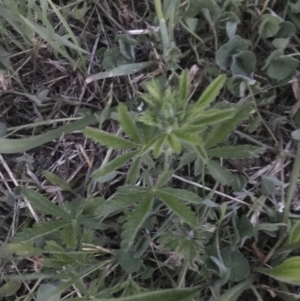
{"x": 69, "y": 235}
{"x": 113, "y": 165}
{"x": 236, "y": 152}
{"x": 163, "y": 295}
{"x": 211, "y": 92}
{"x": 178, "y": 207}
{"x": 44, "y": 205}
{"x": 107, "y": 139}
{"x": 134, "y": 171}
{"x": 39, "y": 230}
{"x": 128, "y": 124}
{"x": 184, "y": 89}
{"x": 135, "y": 221}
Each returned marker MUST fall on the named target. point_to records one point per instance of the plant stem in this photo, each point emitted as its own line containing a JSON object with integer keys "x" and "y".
{"x": 292, "y": 187}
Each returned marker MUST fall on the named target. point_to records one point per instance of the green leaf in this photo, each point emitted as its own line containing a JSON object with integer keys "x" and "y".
{"x": 128, "y": 262}
{"x": 163, "y": 178}
{"x": 69, "y": 235}
{"x": 219, "y": 173}
{"x": 12, "y": 146}
{"x": 113, "y": 58}
{"x": 158, "y": 146}
{"x": 233, "y": 293}
{"x": 107, "y": 139}
{"x": 174, "y": 143}
{"x": 295, "y": 234}
{"x": 236, "y": 151}
{"x": 39, "y": 230}
{"x": 135, "y": 221}
{"x": 243, "y": 63}
{"x": 200, "y": 150}
{"x": 269, "y": 26}
{"x": 182, "y": 194}
{"x": 280, "y": 66}
{"x": 113, "y": 165}
{"x": 225, "y": 52}
{"x": 268, "y": 185}
{"x": 220, "y": 132}
{"x": 128, "y": 124}
{"x": 161, "y": 295}
{"x": 47, "y": 292}
{"x": 287, "y": 30}
{"x": 10, "y": 288}
{"x": 56, "y": 180}
{"x": 184, "y": 89}
{"x": 236, "y": 263}
{"x": 119, "y": 203}
{"x": 214, "y": 116}
{"x": 178, "y": 207}
{"x": 123, "y": 70}
{"x": 134, "y": 171}
{"x": 43, "y": 204}
{"x": 211, "y": 92}
{"x": 188, "y": 137}
{"x": 245, "y": 227}
{"x": 288, "y": 271}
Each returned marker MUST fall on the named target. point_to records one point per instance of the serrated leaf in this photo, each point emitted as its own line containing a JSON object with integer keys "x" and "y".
{"x": 10, "y": 288}
{"x": 113, "y": 165}
{"x": 178, "y": 207}
{"x": 184, "y": 89}
{"x": 163, "y": 178}
{"x": 214, "y": 116}
{"x": 127, "y": 123}
{"x": 134, "y": 171}
{"x": 117, "y": 204}
{"x": 182, "y": 194}
{"x": 163, "y": 295}
{"x": 200, "y": 150}
{"x": 128, "y": 262}
{"x": 56, "y": 180}
{"x": 69, "y": 235}
{"x": 220, "y": 132}
{"x": 219, "y": 173}
{"x": 47, "y": 292}
{"x": 39, "y": 230}
{"x": 233, "y": 293}
{"x": 43, "y": 204}
{"x": 188, "y": 137}
{"x": 211, "y": 92}
{"x": 288, "y": 271}
{"x": 135, "y": 221}
{"x": 107, "y": 139}
{"x": 236, "y": 151}
{"x": 174, "y": 143}
{"x": 295, "y": 234}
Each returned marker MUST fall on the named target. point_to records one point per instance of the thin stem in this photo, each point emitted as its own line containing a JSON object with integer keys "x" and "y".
{"x": 292, "y": 187}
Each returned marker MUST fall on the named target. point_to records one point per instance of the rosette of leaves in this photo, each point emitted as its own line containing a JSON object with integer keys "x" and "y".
{"x": 170, "y": 125}
{"x": 236, "y": 56}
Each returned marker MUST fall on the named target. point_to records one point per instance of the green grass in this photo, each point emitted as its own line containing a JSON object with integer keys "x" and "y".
{"x": 148, "y": 150}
